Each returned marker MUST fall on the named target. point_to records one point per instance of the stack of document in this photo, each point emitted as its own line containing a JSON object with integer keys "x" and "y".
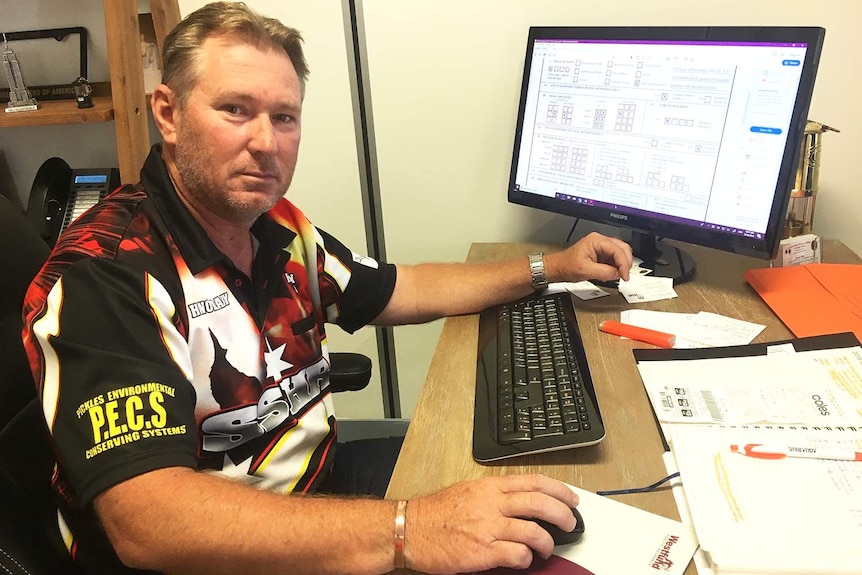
{"x": 761, "y": 515}
{"x": 758, "y": 434}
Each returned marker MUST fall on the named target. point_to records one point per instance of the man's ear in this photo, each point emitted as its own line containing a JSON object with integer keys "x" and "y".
{"x": 163, "y": 104}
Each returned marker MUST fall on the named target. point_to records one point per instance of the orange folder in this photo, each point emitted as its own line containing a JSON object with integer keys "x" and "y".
{"x": 813, "y": 299}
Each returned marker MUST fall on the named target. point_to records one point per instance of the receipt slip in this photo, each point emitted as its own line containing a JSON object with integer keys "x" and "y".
{"x": 657, "y": 338}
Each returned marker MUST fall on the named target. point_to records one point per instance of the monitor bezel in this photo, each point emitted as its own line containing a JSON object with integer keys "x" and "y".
{"x": 764, "y": 248}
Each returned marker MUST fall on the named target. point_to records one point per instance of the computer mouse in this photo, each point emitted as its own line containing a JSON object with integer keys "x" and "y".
{"x": 564, "y": 537}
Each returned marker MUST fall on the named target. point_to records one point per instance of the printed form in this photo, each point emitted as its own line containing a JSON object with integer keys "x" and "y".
{"x": 822, "y": 387}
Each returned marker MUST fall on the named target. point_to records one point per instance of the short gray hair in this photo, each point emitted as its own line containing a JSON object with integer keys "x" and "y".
{"x": 182, "y": 45}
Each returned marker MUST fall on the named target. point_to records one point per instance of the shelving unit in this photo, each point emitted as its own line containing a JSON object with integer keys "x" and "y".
{"x": 60, "y": 112}
{"x": 127, "y": 104}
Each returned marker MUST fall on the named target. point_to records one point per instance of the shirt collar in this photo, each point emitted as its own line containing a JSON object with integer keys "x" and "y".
{"x": 196, "y": 247}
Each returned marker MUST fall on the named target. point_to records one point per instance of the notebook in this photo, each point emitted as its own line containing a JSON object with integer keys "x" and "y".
{"x": 768, "y": 516}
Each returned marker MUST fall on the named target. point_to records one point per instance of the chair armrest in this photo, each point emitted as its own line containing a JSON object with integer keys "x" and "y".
{"x": 348, "y": 371}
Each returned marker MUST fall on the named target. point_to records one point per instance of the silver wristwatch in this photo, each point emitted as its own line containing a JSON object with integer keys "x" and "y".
{"x": 537, "y": 271}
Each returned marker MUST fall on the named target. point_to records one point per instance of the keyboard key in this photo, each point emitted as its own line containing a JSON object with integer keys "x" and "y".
{"x": 515, "y": 436}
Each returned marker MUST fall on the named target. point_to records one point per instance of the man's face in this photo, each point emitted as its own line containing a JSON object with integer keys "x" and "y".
{"x": 237, "y": 136}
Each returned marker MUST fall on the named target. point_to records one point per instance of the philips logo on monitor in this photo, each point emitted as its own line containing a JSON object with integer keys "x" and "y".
{"x": 619, "y": 216}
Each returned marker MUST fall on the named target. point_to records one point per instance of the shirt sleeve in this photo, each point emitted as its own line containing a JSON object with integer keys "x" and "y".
{"x": 114, "y": 390}
{"x": 354, "y": 288}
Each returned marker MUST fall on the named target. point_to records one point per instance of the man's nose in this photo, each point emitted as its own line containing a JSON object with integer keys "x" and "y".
{"x": 262, "y": 137}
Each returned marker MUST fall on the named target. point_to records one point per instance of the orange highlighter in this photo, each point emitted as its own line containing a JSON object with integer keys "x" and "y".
{"x": 652, "y": 336}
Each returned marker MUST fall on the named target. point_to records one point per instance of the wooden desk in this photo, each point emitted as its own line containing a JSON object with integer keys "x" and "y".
{"x": 437, "y": 449}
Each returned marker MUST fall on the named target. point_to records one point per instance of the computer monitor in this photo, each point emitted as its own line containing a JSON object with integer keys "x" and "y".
{"x": 687, "y": 133}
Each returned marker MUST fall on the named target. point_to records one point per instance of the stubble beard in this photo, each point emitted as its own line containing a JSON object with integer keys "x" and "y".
{"x": 197, "y": 175}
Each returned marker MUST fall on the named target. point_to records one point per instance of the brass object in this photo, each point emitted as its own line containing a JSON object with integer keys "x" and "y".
{"x": 800, "y": 211}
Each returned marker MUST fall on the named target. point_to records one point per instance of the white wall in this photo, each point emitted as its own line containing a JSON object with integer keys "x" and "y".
{"x": 445, "y": 77}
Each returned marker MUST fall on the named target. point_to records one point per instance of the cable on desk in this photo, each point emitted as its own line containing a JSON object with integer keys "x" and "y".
{"x": 646, "y": 489}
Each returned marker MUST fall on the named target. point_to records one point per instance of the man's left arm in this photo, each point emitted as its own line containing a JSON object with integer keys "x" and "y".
{"x": 426, "y": 292}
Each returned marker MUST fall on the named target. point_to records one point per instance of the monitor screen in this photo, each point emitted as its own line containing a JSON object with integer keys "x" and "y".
{"x": 685, "y": 133}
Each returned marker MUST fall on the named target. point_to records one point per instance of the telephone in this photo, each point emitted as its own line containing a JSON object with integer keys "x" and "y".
{"x": 60, "y": 194}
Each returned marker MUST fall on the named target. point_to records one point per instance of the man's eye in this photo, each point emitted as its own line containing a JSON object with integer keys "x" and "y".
{"x": 231, "y": 109}
{"x": 282, "y": 118}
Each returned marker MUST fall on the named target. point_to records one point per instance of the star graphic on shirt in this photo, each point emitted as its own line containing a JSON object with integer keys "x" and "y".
{"x": 275, "y": 365}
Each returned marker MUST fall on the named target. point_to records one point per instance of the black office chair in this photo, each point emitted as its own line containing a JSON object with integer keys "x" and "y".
{"x": 30, "y": 543}
{"x": 29, "y": 540}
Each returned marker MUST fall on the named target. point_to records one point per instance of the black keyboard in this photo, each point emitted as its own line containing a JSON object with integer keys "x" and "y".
{"x": 533, "y": 387}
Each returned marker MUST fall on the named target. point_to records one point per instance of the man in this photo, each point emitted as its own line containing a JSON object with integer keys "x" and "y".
{"x": 177, "y": 335}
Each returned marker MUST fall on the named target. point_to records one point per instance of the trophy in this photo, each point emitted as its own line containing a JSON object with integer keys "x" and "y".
{"x": 19, "y": 96}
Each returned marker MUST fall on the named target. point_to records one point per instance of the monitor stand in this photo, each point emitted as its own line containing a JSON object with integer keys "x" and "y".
{"x": 665, "y": 260}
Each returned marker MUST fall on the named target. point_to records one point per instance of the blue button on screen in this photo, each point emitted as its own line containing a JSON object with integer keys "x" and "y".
{"x": 765, "y": 130}
{"x": 790, "y": 63}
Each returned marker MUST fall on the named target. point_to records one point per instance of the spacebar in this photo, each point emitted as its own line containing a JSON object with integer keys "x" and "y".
{"x": 513, "y": 437}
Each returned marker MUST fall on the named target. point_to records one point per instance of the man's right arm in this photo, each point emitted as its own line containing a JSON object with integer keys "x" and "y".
{"x": 181, "y": 521}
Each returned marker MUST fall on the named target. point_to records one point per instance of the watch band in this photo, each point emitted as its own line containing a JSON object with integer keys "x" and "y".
{"x": 537, "y": 271}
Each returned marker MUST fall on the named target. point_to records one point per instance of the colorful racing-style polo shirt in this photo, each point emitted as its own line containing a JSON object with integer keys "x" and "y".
{"x": 150, "y": 349}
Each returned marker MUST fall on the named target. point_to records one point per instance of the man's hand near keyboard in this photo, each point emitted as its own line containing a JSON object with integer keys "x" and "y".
{"x": 425, "y": 292}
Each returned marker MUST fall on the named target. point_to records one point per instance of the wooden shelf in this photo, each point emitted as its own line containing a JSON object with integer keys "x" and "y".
{"x": 126, "y": 104}
{"x": 53, "y": 112}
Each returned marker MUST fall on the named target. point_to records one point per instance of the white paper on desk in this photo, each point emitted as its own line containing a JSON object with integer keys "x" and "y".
{"x": 636, "y": 268}
{"x": 706, "y": 329}
{"x": 789, "y": 515}
{"x": 666, "y": 321}
{"x": 618, "y": 539}
{"x": 699, "y": 558}
{"x": 641, "y": 288}
{"x": 703, "y": 329}
{"x": 786, "y": 388}
{"x": 583, "y": 290}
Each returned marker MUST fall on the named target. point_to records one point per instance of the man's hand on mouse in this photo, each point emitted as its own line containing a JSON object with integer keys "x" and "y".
{"x": 477, "y": 525}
